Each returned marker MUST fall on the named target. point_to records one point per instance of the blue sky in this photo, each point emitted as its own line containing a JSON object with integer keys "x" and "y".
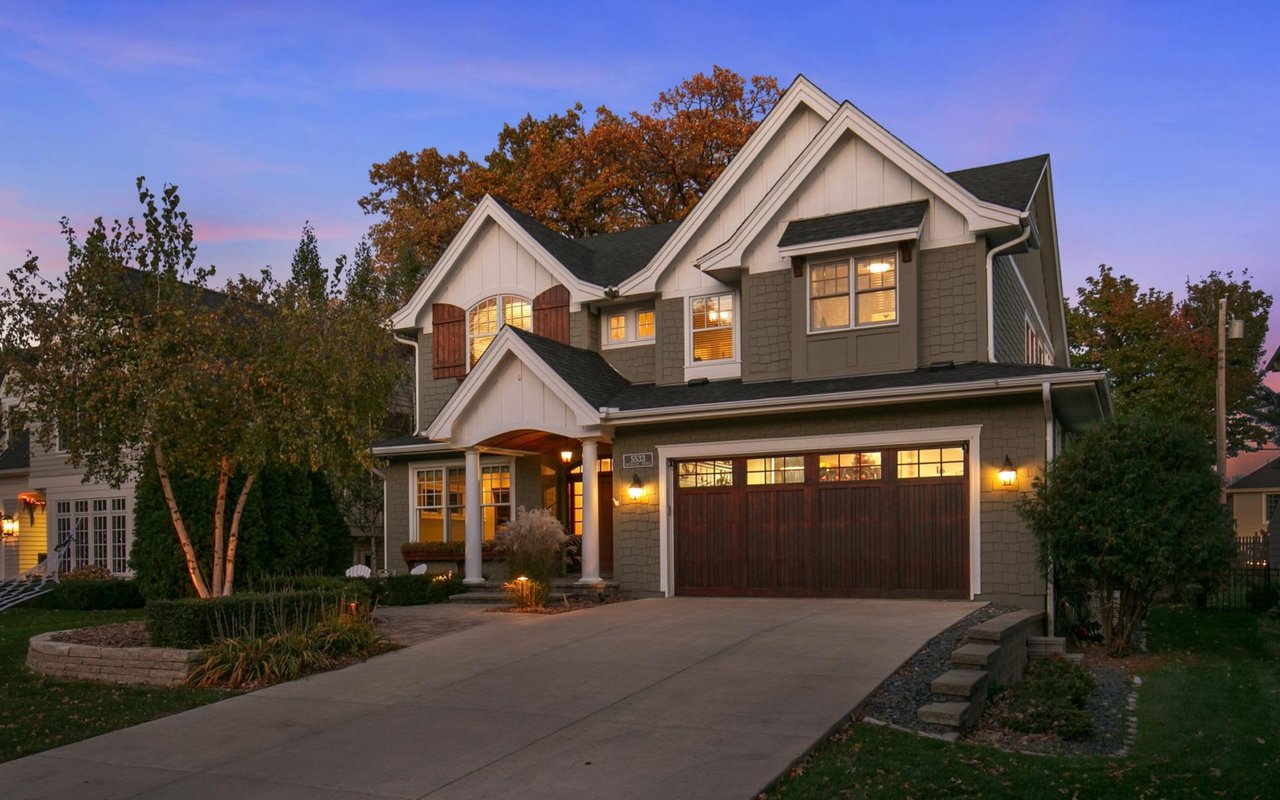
{"x": 1162, "y": 119}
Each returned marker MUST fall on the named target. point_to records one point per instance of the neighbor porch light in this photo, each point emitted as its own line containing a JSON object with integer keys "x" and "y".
{"x": 636, "y": 490}
{"x": 1007, "y": 473}
{"x": 9, "y": 526}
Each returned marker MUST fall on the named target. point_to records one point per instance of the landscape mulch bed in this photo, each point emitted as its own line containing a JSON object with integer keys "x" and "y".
{"x": 558, "y": 606}
{"x": 115, "y": 634}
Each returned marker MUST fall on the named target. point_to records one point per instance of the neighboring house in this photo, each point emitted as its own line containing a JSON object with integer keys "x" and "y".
{"x": 1254, "y": 498}
{"x": 809, "y": 386}
{"x": 50, "y": 501}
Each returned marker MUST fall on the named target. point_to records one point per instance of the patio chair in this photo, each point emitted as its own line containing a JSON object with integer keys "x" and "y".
{"x": 358, "y": 571}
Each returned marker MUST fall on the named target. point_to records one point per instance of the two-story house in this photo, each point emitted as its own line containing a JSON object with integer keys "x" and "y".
{"x": 834, "y": 377}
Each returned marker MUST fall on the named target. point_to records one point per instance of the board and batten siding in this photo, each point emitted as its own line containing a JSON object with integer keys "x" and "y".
{"x": 682, "y": 278}
{"x": 494, "y": 263}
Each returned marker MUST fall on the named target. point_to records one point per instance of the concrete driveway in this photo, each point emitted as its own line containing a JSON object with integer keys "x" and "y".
{"x": 658, "y": 698}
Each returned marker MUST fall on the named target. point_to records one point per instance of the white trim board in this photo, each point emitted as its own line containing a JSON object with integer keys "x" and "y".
{"x": 970, "y": 434}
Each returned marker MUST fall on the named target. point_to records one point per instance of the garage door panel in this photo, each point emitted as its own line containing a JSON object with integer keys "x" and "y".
{"x": 932, "y": 541}
{"x": 849, "y": 554}
{"x": 710, "y": 560}
{"x": 777, "y": 542}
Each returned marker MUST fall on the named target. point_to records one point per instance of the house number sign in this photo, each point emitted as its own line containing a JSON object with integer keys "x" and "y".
{"x": 637, "y": 460}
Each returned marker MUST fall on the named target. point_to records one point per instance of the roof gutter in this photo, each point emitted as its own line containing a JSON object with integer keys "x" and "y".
{"x": 991, "y": 301}
{"x": 852, "y": 398}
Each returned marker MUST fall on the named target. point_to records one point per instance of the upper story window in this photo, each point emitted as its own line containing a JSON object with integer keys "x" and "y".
{"x": 629, "y": 326}
{"x": 711, "y": 327}
{"x": 1035, "y": 350}
{"x": 871, "y": 298}
{"x": 487, "y": 317}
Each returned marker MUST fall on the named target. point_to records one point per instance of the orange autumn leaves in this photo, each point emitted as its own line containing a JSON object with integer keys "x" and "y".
{"x": 620, "y": 171}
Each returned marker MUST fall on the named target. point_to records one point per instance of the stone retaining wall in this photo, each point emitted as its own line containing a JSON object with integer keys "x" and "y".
{"x": 141, "y": 666}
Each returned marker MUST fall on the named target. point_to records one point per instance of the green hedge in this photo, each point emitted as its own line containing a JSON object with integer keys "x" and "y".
{"x": 414, "y": 590}
{"x": 91, "y": 596}
{"x": 191, "y": 622}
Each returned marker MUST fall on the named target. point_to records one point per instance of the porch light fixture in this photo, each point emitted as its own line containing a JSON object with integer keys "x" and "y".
{"x": 1007, "y": 473}
{"x": 877, "y": 267}
{"x": 566, "y": 456}
{"x": 9, "y": 527}
{"x": 636, "y": 490}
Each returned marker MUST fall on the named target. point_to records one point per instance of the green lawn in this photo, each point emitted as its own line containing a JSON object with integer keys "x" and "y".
{"x": 39, "y": 713}
{"x": 1208, "y": 726}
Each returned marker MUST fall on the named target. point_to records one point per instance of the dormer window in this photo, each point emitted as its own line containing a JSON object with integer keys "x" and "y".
{"x": 627, "y": 327}
{"x": 487, "y": 317}
{"x": 836, "y": 303}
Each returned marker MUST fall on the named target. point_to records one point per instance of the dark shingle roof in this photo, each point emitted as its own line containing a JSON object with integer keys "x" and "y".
{"x": 584, "y": 370}
{"x": 1266, "y": 476}
{"x": 16, "y": 453}
{"x": 1010, "y": 184}
{"x": 620, "y": 255}
{"x": 641, "y": 396}
{"x": 402, "y": 441}
{"x": 854, "y": 223}
{"x": 604, "y": 260}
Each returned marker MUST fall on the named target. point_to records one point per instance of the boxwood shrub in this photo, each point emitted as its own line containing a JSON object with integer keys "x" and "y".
{"x": 415, "y": 590}
{"x": 190, "y": 622}
{"x": 91, "y": 595}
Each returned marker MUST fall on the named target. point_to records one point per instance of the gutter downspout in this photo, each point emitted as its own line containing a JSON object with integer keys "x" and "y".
{"x": 417, "y": 427}
{"x": 1050, "y": 606}
{"x": 991, "y": 301}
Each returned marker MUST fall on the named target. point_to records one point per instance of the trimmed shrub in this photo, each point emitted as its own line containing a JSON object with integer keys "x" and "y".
{"x": 90, "y": 595}
{"x": 291, "y": 526}
{"x": 358, "y": 589}
{"x": 1051, "y": 699}
{"x": 192, "y": 622}
{"x": 415, "y": 590}
{"x": 526, "y": 593}
{"x": 533, "y": 544}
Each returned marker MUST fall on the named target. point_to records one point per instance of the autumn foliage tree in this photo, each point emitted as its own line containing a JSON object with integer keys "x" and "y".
{"x": 137, "y": 360}
{"x": 1161, "y": 353}
{"x": 620, "y": 172}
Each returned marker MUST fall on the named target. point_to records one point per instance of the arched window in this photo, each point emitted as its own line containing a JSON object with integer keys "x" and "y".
{"x": 487, "y": 317}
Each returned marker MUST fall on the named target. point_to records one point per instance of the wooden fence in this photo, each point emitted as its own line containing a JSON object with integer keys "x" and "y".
{"x": 1252, "y": 550}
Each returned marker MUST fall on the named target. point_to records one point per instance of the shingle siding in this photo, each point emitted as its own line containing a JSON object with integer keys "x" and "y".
{"x": 636, "y": 363}
{"x": 1012, "y": 427}
{"x": 670, "y": 354}
{"x": 432, "y": 393}
{"x": 952, "y": 325}
{"x": 584, "y": 330}
{"x": 1011, "y": 312}
{"x": 397, "y": 513}
{"x": 768, "y": 325}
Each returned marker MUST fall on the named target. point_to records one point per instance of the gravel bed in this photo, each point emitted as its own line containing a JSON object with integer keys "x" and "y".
{"x": 115, "y": 634}
{"x": 897, "y": 700}
{"x": 1107, "y": 706}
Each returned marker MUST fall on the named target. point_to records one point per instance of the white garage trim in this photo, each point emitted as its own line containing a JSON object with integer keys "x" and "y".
{"x": 970, "y": 434}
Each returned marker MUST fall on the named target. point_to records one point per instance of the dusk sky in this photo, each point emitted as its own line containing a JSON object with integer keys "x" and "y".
{"x": 1162, "y": 119}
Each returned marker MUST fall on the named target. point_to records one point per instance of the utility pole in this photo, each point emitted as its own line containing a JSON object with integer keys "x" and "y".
{"x": 1222, "y": 399}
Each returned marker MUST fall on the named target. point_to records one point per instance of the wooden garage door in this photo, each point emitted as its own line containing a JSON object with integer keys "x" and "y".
{"x": 872, "y": 523}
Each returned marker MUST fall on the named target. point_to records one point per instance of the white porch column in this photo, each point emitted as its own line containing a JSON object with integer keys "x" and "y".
{"x": 590, "y": 514}
{"x": 475, "y": 519}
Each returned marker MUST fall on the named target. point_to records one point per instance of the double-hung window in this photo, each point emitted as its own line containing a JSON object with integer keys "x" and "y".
{"x": 853, "y": 292}
{"x": 711, "y": 327}
{"x": 440, "y": 501}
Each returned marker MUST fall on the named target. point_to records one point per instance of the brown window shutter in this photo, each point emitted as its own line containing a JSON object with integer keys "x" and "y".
{"x": 448, "y": 341}
{"x": 551, "y": 314}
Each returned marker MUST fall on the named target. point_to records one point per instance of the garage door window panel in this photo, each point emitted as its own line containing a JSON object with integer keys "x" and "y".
{"x": 778, "y": 469}
{"x": 844, "y": 467}
{"x": 704, "y": 474}
{"x": 931, "y": 462}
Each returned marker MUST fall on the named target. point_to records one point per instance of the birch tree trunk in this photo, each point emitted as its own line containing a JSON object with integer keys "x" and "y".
{"x": 193, "y": 566}
{"x": 234, "y": 536}
{"x": 219, "y": 520}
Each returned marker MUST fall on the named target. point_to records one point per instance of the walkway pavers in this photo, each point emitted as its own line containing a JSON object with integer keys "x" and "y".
{"x": 676, "y": 698}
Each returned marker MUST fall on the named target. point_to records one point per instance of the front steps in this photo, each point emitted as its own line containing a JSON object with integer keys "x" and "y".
{"x": 491, "y": 593}
{"x": 993, "y": 653}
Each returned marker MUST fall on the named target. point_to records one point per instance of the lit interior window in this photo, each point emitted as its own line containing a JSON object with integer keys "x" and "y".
{"x": 489, "y": 315}
{"x": 779, "y": 469}
{"x": 877, "y": 289}
{"x": 617, "y": 327}
{"x": 935, "y": 462}
{"x": 712, "y": 326}
{"x": 644, "y": 324}
{"x": 834, "y": 467}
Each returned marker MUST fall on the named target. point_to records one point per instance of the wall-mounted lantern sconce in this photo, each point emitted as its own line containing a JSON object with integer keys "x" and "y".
{"x": 566, "y": 456}
{"x": 636, "y": 490}
{"x": 1008, "y": 475}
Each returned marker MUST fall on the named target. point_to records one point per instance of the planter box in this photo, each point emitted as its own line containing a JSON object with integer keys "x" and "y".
{"x": 135, "y": 666}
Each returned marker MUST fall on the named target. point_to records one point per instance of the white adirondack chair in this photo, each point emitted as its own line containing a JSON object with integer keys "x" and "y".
{"x": 421, "y": 569}
{"x": 358, "y": 571}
